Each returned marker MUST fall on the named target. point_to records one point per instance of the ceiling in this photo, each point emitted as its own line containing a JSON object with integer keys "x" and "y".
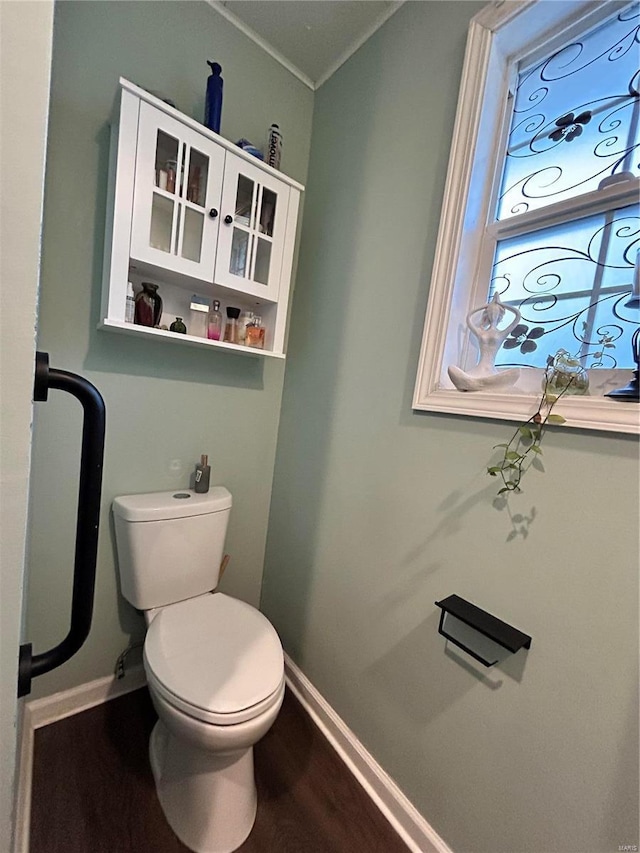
{"x": 312, "y": 38}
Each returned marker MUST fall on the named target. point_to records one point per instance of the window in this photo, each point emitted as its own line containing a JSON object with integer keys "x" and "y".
{"x": 545, "y": 213}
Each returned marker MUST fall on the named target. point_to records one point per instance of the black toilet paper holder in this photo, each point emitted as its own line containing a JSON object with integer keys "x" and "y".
{"x": 484, "y": 623}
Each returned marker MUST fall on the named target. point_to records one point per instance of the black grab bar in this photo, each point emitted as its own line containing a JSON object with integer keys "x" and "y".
{"x": 88, "y": 519}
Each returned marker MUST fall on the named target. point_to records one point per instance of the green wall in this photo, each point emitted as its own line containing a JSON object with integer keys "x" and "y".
{"x": 377, "y": 511}
{"x": 165, "y": 404}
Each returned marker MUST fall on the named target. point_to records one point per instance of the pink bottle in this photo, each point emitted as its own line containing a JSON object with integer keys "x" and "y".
{"x": 214, "y": 322}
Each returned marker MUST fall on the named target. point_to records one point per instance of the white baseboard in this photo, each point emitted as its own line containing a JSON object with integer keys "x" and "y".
{"x": 50, "y": 709}
{"x": 415, "y": 831}
{"x": 411, "y": 826}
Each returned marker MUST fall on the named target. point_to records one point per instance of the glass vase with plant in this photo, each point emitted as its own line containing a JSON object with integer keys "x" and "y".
{"x": 563, "y": 374}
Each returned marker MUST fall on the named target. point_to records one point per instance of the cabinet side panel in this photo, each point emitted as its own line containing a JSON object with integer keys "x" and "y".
{"x": 285, "y": 273}
{"x": 122, "y": 160}
{"x": 108, "y": 236}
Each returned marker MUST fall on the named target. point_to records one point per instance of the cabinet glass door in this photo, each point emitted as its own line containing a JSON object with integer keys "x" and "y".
{"x": 178, "y": 184}
{"x": 251, "y": 240}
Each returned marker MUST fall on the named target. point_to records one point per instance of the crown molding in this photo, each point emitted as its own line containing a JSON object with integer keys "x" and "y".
{"x": 354, "y": 46}
{"x": 220, "y": 7}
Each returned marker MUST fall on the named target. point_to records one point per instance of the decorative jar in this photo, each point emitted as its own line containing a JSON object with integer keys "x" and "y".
{"x": 566, "y": 375}
{"x": 148, "y": 307}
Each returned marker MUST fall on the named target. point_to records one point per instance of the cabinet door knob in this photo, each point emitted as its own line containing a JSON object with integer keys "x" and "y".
{"x": 228, "y": 219}
{"x": 213, "y": 213}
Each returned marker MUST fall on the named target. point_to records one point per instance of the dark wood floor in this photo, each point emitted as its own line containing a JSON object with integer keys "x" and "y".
{"x": 93, "y": 791}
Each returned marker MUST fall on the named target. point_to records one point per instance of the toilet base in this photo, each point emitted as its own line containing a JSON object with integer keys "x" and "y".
{"x": 209, "y": 799}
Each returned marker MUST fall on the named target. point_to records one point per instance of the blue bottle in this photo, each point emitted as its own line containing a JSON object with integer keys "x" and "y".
{"x": 213, "y": 101}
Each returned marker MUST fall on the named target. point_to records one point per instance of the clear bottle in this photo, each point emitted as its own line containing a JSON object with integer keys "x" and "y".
{"x": 199, "y": 316}
{"x": 214, "y": 323}
{"x": 246, "y": 318}
{"x": 171, "y": 169}
{"x": 231, "y": 328}
{"x": 255, "y": 333}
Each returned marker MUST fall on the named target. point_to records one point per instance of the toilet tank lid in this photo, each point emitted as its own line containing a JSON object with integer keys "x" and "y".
{"x": 179, "y": 503}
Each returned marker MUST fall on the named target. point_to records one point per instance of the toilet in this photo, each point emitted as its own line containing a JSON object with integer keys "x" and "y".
{"x": 214, "y": 664}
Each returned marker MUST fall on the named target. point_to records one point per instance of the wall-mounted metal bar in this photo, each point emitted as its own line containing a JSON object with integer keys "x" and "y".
{"x": 88, "y": 518}
{"x": 484, "y": 623}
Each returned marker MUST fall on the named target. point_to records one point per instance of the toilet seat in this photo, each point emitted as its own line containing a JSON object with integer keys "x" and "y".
{"x": 215, "y": 658}
{"x": 243, "y": 716}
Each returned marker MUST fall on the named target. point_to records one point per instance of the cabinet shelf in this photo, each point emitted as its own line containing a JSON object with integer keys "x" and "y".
{"x": 188, "y": 340}
{"x": 191, "y": 284}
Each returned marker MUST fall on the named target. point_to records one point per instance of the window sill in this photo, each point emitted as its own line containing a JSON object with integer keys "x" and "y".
{"x": 595, "y": 413}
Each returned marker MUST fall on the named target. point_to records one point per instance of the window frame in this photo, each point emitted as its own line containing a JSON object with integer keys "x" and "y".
{"x": 499, "y": 36}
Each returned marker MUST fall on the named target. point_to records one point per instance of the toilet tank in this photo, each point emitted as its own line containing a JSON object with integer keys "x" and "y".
{"x": 170, "y": 544}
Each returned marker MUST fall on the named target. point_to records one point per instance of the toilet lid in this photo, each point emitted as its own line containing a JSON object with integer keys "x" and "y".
{"x": 214, "y": 653}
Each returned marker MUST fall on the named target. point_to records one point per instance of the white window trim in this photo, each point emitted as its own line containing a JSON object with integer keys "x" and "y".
{"x": 493, "y": 41}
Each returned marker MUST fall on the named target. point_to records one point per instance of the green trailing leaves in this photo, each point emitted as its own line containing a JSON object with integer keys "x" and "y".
{"x": 526, "y": 432}
{"x": 523, "y": 450}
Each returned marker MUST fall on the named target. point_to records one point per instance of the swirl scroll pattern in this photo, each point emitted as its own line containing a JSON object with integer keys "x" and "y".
{"x": 571, "y": 284}
{"x": 576, "y": 118}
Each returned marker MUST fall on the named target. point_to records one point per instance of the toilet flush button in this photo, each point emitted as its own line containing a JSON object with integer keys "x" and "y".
{"x": 181, "y": 495}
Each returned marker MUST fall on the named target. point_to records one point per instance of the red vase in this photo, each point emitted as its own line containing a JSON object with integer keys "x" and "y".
{"x": 148, "y": 310}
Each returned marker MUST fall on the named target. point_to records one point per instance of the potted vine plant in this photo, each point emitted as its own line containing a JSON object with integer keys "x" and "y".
{"x": 564, "y": 374}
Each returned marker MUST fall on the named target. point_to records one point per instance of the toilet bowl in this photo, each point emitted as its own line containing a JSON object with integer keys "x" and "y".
{"x": 215, "y": 671}
{"x": 214, "y": 665}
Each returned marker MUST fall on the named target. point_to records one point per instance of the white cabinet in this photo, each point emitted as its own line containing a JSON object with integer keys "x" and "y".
{"x": 192, "y": 213}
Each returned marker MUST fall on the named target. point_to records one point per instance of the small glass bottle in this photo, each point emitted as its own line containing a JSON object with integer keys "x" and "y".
{"x": 231, "y": 328}
{"x": 202, "y": 475}
{"x": 171, "y": 168}
{"x": 246, "y": 318}
{"x": 255, "y": 333}
{"x": 178, "y": 326}
{"x": 198, "y": 316}
{"x": 214, "y": 324}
